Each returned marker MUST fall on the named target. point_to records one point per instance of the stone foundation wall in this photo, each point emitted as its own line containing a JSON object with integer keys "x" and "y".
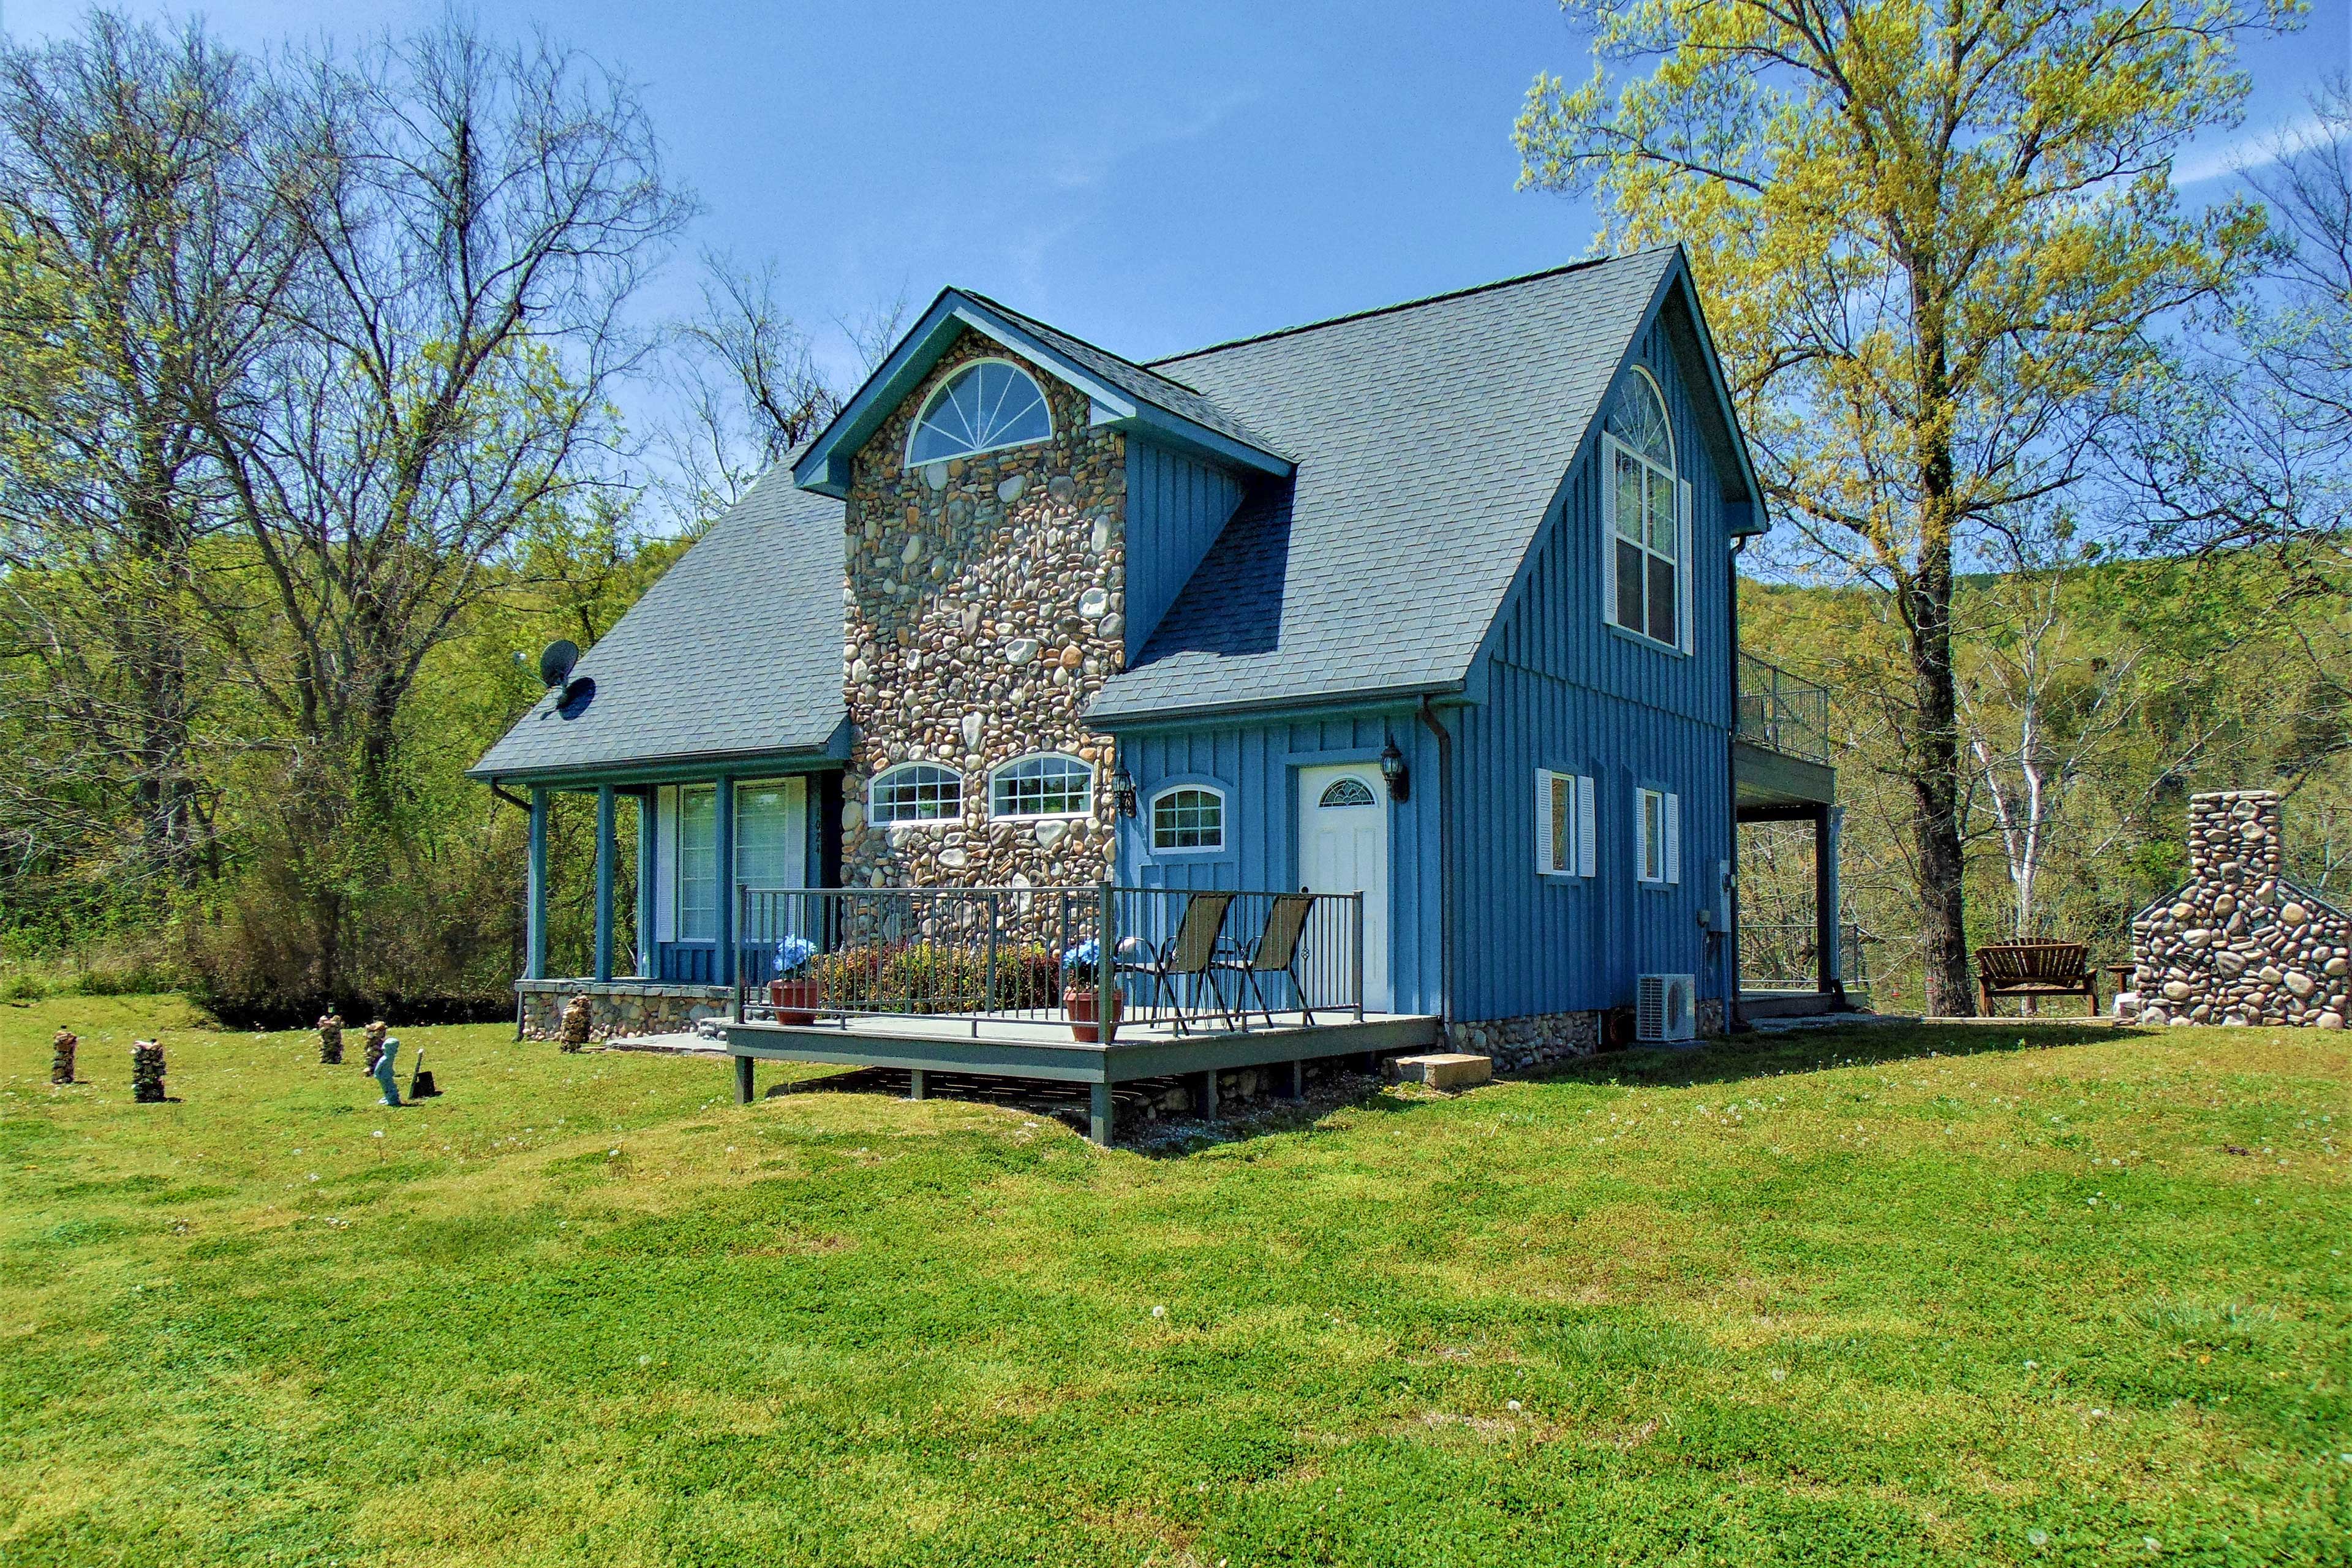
{"x": 986, "y": 605}
{"x": 1527, "y": 1041}
{"x": 620, "y": 1007}
{"x": 2239, "y": 944}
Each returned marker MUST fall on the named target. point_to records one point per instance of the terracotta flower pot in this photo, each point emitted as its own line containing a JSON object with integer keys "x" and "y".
{"x": 795, "y": 1001}
{"x": 1080, "y": 1007}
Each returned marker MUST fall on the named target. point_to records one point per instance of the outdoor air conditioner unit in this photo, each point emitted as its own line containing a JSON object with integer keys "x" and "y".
{"x": 1664, "y": 1008}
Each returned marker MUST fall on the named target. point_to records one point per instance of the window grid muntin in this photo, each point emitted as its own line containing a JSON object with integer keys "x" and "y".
{"x": 1053, "y": 784}
{"x": 1188, "y": 817}
{"x": 991, "y": 420}
{"x": 1346, "y": 792}
{"x": 914, "y": 793}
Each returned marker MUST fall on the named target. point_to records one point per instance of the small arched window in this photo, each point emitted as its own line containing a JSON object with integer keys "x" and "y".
{"x": 1346, "y": 792}
{"x": 1188, "y": 817}
{"x": 914, "y": 792}
{"x": 1051, "y": 784}
{"x": 1647, "y": 512}
{"x": 987, "y": 404}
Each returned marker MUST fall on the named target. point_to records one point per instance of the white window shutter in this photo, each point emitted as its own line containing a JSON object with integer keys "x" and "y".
{"x": 1683, "y": 573}
{"x": 1608, "y": 454}
{"x": 1543, "y": 823}
{"x": 1585, "y": 839}
{"x": 1673, "y": 812}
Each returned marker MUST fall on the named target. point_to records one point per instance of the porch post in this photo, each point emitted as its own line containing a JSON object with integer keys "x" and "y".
{"x": 605, "y": 854}
{"x": 648, "y": 961}
{"x": 1099, "y": 1113}
{"x": 1825, "y": 893}
{"x": 723, "y": 853}
{"x": 534, "y": 898}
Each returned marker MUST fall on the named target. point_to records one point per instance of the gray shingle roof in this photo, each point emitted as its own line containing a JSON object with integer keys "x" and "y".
{"x": 1135, "y": 380}
{"x": 736, "y": 651}
{"x": 1430, "y": 439}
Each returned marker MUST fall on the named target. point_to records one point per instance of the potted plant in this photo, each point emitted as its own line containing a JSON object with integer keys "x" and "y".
{"x": 1081, "y": 967}
{"x": 793, "y": 991}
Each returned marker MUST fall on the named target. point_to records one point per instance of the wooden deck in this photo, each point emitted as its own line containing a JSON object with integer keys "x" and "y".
{"x": 1034, "y": 1048}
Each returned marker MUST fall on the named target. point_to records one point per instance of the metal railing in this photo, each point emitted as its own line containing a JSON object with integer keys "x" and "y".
{"x": 1780, "y": 712}
{"x": 996, "y": 955}
{"x": 1788, "y": 958}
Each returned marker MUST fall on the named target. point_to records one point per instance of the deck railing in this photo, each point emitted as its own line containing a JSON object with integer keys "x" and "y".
{"x": 1026, "y": 954}
{"x": 1788, "y": 958}
{"x": 1780, "y": 712}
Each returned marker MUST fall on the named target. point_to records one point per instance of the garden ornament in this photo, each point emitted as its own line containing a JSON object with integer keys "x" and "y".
{"x": 147, "y": 1072}
{"x": 61, "y": 1059}
{"x": 376, "y": 1033}
{"x": 383, "y": 1069}
{"x": 331, "y": 1040}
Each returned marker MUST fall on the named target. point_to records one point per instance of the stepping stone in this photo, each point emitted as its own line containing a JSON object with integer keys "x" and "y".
{"x": 1445, "y": 1069}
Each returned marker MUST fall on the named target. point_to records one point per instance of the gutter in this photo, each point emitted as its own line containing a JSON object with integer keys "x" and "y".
{"x": 1370, "y": 701}
{"x": 1447, "y": 911}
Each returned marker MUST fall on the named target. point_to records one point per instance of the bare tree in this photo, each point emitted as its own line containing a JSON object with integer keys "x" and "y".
{"x": 480, "y": 217}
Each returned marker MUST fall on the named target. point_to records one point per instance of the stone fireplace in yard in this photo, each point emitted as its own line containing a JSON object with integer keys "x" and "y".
{"x": 2239, "y": 944}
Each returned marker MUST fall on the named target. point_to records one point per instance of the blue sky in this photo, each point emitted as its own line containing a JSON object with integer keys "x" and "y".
{"x": 1154, "y": 177}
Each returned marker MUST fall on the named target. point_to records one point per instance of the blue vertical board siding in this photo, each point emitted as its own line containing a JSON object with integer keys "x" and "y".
{"x": 1176, "y": 507}
{"x": 1255, "y": 763}
{"x": 1564, "y": 690}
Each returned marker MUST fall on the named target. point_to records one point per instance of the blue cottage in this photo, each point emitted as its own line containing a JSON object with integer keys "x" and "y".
{"x": 1430, "y": 607}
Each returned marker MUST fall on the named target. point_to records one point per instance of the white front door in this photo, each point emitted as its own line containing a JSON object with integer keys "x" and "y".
{"x": 1343, "y": 847}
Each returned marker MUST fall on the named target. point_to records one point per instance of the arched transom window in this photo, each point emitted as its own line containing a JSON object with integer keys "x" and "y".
{"x": 987, "y": 404}
{"x": 1647, "y": 514}
{"x": 1052, "y": 784}
{"x": 914, "y": 792}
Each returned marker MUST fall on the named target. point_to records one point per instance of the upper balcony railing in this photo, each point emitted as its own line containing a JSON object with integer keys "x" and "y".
{"x": 1780, "y": 712}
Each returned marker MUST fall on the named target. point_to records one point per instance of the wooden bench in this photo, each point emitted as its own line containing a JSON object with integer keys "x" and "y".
{"x": 2034, "y": 970}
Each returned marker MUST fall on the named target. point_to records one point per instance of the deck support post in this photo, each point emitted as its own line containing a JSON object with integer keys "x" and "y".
{"x": 916, "y": 1088}
{"x": 742, "y": 1080}
{"x": 1296, "y": 1079}
{"x": 606, "y": 852}
{"x": 1831, "y": 981}
{"x": 1204, "y": 1094}
{"x": 1099, "y": 1113}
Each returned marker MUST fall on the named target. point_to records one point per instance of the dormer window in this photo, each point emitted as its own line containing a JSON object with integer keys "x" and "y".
{"x": 985, "y": 406}
{"x": 1646, "y": 512}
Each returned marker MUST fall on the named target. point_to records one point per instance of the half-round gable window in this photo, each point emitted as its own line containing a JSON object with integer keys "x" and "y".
{"x": 914, "y": 792}
{"x": 987, "y": 404}
{"x": 1637, "y": 417}
{"x": 1051, "y": 784}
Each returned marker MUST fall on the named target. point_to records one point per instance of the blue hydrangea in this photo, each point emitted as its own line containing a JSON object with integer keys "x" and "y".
{"x": 792, "y": 952}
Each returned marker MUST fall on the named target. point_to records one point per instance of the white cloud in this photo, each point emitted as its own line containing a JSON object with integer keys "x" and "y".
{"x": 2250, "y": 150}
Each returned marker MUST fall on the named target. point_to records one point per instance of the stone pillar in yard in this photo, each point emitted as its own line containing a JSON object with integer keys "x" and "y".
{"x": 61, "y": 1056}
{"x": 330, "y": 1040}
{"x": 578, "y": 1018}
{"x": 147, "y": 1072}
{"x": 376, "y": 1031}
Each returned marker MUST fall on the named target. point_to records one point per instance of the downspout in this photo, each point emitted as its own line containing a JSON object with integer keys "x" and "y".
{"x": 1446, "y": 912}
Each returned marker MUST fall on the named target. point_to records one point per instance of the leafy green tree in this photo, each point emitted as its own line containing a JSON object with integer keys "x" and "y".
{"x": 1932, "y": 235}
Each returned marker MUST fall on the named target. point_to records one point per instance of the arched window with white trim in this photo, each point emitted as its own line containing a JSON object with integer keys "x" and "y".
{"x": 914, "y": 792}
{"x": 1188, "y": 820}
{"x": 1646, "y": 508}
{"x": 987, "y": 406}
{"x": 1051, "y": 784}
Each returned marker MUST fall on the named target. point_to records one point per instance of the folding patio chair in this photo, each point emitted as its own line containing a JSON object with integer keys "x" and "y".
{"x": 1275, "y": 952}
{"x": 1192, "y": 951}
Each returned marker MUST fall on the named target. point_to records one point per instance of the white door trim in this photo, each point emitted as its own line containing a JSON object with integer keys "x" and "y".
{"x": 1349, "y": 843}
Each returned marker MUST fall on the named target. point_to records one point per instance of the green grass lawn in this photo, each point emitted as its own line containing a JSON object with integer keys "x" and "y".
{"x": 1883, "y": 1296}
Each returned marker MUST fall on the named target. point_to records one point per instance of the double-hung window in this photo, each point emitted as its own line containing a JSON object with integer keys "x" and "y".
{"x": 1646, "y": 517}
{"x": 1658, "y": 837}
{"x": 1565, "y": 842}
{"x": 698, "y": 863}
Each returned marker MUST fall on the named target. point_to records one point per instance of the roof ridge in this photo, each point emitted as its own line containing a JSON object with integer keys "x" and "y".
{"x": 1590, "y": 262}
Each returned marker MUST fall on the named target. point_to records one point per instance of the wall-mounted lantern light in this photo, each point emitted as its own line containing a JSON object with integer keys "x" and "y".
{"x": 1392, "y": 771}
{"x": 1122, "y": 791}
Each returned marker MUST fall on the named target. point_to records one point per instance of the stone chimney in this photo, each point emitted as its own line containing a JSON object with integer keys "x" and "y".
{"x": 2239, "y": 944}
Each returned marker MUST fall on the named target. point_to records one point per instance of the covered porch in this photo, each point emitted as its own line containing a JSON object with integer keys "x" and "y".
{"x": 1795, "y": 954}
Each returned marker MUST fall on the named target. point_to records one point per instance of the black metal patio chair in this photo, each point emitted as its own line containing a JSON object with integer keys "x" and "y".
{"x": 1192, "y": 952}
{"x": 1275, "y": 952}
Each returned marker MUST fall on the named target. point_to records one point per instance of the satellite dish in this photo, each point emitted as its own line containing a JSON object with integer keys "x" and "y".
{"x": 555, "y": 664}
